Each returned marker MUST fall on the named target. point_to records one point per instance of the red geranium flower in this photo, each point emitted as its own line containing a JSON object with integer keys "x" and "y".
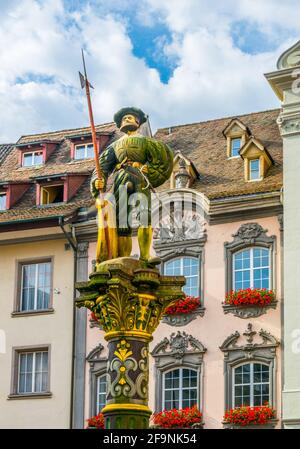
{"x": 185, "y": 305}
{"x": 250, "y": 296}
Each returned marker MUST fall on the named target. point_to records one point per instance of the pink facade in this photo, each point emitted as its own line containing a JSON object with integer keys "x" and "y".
{"x": 214, "y": 327}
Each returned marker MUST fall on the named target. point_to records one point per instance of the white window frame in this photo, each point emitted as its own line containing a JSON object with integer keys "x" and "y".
{"x": 33, "y": 153}
{"x": 98, "y": 392}
{"x": 180, "y": 388}
{"x": 5, "y": 196}
{"x": 33, "y": 371}
{"x": 181, "y": 269}
{"x": 252, "y": 363}
{"x": 85, "y": 145}
{"x": 259, "y": 170}
{"x": 231, "y": 146}
{"x": 35, "y": 285}
{"x": 251, "y": 268}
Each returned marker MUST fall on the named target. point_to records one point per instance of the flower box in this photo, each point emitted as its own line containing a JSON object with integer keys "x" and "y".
{"x": 186, "y": 418}
{"x": 96, "y": 422}
{"x": 183, "y": 311}
{"x": 249, "y": 303}
{"x": 250, "y": 417}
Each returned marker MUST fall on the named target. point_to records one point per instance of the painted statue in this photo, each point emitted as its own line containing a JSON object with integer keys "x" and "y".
{"x": 138, "y": 165}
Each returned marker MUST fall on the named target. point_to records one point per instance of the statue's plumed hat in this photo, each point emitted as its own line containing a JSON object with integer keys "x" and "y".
{"x": 141, "y": 116}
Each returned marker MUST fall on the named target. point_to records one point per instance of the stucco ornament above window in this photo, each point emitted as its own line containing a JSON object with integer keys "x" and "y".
{"x": 253, "y": 344}
{"x": 178, "y": 345}
{"x": 290, "y": 58}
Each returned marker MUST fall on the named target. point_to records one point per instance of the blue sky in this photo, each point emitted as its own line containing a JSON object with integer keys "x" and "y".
{"x": 180, "y": 60}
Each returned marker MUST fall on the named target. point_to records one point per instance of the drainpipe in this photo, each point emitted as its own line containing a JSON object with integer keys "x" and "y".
{"x": 73, "y": 244}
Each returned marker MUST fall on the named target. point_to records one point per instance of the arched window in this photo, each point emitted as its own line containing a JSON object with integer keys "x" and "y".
{"x": 251, "y": 268}
{"x": 101, "y": 392}
{"x": 188, "y": 267}
{"x": 180, "y": 388}
{"x": 251, "y": 384}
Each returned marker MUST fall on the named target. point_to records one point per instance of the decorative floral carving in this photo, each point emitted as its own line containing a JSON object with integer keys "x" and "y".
{"x": 268, "y": 340}
{"x": 178, "y": 344}
{"x": 249, "y": 232}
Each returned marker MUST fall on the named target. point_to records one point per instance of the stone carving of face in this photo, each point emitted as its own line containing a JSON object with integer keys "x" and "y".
{"x": 129, "y": 123}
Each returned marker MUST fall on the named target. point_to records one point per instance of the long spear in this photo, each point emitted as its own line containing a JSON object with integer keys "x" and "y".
{"x": 85, "y": 83}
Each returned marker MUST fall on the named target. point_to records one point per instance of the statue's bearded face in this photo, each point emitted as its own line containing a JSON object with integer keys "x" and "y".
{"x": 129, "y": 123}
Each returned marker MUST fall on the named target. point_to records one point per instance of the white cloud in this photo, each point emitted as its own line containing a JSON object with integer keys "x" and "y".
{"x": 41, "y": 40}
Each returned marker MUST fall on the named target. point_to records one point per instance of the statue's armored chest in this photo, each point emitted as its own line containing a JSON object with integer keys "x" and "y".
{"x": 132, "y": 148}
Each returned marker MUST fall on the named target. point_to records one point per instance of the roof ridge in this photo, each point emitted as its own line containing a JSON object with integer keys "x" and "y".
{"x": 59, "y": 131}
{"x": 220, "y": 118}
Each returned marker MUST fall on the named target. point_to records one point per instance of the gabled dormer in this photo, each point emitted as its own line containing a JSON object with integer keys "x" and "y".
{"x": 184, "y": 172}
{"x": 257, "y": 160}
{"x": 55, "y": 189}
{"x": 236, "y": 134}
{"x": 32, "y": 154}
{"x": 11, "y": 192}
{"x": 82, "y": 145}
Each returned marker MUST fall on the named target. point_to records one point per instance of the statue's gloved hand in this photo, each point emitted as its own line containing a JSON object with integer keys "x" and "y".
{"x": 99, "y": 183}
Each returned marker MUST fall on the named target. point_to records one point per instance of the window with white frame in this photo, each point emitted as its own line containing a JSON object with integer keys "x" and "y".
{"x": 251, "y": 268}
{"x": 235, "y": 146}
{"x": 84, "y": 151}
{"x": 33, "y": 376}
{"x": 180, "y": 388}
{"x": 101, "y": 392}
{"x": 32, "y": 158}
{"x": 35, "y": 286}
{"x": 251, "y": 385}
{"x": 188, "y": 267}
{"x": 254, "y": 170}
{"x": 2, "y": 201}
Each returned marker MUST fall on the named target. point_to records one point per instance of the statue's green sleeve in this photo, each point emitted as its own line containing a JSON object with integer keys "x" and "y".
{"x": 107, "y": 161}
{"x": 159, "y": 162}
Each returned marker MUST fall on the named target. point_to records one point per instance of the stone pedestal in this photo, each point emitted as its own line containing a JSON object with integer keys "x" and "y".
{"x": 128, "y": 301}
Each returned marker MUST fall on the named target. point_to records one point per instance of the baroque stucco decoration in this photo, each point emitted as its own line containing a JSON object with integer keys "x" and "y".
{"x": 186, "y": 226}
{"x": 251, "y": 346}
{"x": 248, "y": 235}
{"x": 180, "y": 350}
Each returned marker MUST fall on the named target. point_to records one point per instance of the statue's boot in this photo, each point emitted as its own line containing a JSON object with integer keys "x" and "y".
{"x": 124, "y": 246}
{"x": 145, "y": 239}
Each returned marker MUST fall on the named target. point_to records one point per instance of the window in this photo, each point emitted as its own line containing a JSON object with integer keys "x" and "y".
{"x": 33, "y": 372}
{"x": 101, "y": 392}
{"x": 2, "y": 201}
{"x": 35, "y": 286}
{"x": 33, "y": 158}
{"x": 84, "y": 151}
{"x": 254, "y": 171}
{"x": 251, "y": 385}
{"x": 235, "y": 145}
{"x": 52, "y": 194}
{"x": 188, "y": 267}
{"x": 180, "y": 388}
{"x": 251, "y": 268}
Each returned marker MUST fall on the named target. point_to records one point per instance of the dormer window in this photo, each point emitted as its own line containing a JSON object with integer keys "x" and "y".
{"x": 257, "y": 160}
{"x": 254, "y": 170}
{"x": 2, "y": 201}
{"x": 32, "y": 154}
{"x": 236, "y": 134}
{"x": 84, "y": 151}
{"x": 58, "y": 188}
{"x": 235, "y": 145}
{"x": 32, "y": 159}
{"x": 52, "y": 194}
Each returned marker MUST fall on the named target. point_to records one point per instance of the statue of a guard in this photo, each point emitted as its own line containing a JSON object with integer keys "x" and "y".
{"x": 138, "y": 164}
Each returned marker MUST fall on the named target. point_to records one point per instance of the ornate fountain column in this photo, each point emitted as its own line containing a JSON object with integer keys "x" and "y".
{"x": 128, "y": 302}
